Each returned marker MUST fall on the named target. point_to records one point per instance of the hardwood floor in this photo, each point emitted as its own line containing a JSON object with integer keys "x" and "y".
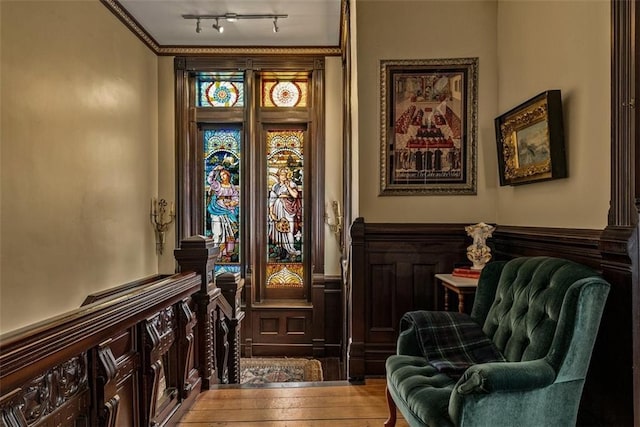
{"x": 292, "y": 405}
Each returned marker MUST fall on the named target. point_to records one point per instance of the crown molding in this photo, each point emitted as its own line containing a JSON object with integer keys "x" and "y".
{"x": 134, "y": 26}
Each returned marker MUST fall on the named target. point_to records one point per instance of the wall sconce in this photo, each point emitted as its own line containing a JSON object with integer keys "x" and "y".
{"x": 336, "y": 225}
{"x": 160, "y": 225}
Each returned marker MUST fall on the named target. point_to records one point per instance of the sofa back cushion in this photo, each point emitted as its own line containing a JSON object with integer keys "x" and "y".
{"x": 523, "y": 317}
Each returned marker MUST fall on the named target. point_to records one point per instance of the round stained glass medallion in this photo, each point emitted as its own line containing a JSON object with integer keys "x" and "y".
{"x": 222, "y": 94}
{"x": 285, "y": 94}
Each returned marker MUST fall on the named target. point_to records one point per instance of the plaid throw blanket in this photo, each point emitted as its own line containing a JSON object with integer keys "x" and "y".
{"x": 450, "y": 341}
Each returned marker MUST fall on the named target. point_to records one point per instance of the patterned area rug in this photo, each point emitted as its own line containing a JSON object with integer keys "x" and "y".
{"x": 279, "y": 370}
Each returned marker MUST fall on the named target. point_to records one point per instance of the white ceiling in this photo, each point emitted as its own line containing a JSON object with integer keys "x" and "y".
{"x": 313, "y": 23}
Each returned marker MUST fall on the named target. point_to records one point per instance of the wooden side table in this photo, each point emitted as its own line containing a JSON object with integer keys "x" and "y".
{"x": 460, "y": 285}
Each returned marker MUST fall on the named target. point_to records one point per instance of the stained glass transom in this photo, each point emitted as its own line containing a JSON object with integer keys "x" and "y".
{"x": 214, "y": 91}
{"x": 285, "y": 228}
{"x": 278, "y": 93}
{"x": 285, "y": 275}
{"x": 222, "y": 193}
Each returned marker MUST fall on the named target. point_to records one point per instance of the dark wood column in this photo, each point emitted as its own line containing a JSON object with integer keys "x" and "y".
{"x": 199, "y": 254}
{"x": 231, "y": 318}
{"x": 612, "y": 398}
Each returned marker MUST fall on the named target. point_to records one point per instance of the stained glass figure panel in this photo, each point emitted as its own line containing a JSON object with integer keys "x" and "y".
{"x": 222, "y": 193}
{"x": 285, "y": 92}
{"x": 220, "y": 90}
{"x": 285, "y": 228}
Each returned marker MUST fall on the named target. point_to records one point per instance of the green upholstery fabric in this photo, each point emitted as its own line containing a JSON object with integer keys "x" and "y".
{"x": 415, "y": 381}
{"x": 543, "y": 313}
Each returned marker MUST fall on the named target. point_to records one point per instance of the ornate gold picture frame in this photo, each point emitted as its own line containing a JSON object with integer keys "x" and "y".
{"x": 428, "y": 126}
{"x": 530, "y": 139}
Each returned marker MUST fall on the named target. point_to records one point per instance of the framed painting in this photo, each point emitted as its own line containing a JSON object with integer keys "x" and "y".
{"x": 530, "y": 139}
{"x": 428, "y": 119}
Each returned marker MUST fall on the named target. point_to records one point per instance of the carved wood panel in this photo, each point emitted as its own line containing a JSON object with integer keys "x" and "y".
{"x": 159, "y": 361}
{"x": 117, "y": 362}
{"x": 187, "y": 364}
{"x": 85, "y": 368}
{"x": 57, "y": 397}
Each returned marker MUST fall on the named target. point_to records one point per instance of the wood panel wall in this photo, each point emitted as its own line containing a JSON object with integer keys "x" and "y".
{"x": 393, "y": 268}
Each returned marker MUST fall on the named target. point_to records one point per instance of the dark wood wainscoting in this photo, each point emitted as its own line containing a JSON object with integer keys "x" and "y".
{"x": 579, "y": 245}
{"x": 393, "y": 267}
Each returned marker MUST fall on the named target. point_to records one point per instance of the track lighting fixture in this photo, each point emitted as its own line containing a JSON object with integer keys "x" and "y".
{"x": 217, "y": 27}
{"x": 233, "y": 17}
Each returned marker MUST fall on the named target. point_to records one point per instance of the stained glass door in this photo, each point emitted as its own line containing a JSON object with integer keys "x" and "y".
{"x": 254, "y": 202}
{"x": 285, "y": 210}
{"x": 222, "y": 189}
{"x": 250, "y": 159}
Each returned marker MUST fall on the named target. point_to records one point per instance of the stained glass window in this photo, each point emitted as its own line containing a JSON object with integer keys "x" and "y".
{"x": 222, "y": 194}
{"x": 285, "y": 228}
{"x": 285, "y": 90}
{"x": 220, "y": 90}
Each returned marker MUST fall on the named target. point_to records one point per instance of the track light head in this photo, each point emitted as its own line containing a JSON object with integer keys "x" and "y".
{"x": 275, "y": 25}
{"x": 217, "y": 27}
{"x": 198, "y": 27}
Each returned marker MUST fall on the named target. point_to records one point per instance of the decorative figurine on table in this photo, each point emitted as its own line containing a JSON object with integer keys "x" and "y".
{"x": 478, "y": 252}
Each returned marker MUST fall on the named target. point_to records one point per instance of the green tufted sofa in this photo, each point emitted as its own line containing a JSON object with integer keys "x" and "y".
{"x": 542, "y": 314}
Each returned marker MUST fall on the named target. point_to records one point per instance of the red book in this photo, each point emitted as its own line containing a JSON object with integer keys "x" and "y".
{"x": 466, "y": 272}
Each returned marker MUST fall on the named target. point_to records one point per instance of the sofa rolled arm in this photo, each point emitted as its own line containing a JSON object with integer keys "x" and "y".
{"x": 505, "y": 377}
{"x": 495, "y": 381}
{"x": 407, "y": 343}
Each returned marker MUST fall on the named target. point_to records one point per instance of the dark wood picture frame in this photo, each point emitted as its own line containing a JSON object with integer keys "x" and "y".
{"x": 530, "y": 140}
{"x": 428, "y": 126}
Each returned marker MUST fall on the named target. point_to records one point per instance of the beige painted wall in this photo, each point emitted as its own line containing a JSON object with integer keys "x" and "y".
{"x": 79, "y": 155}
{"x": 333, "y": 157}
{"x": 560, "y": 45}
{"x": 425, "y": 30}
{"x": 167, "y": 152}
{"x": 525, "y": 47}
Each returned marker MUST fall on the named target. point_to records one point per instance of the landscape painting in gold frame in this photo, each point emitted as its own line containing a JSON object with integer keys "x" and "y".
{"x": 530, "y": 139}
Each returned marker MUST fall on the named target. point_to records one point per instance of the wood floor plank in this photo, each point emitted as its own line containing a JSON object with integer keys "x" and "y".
{"x": 283, "y": 402}
{"x": 320, "y": 423}
{"x": 292, "y": 405}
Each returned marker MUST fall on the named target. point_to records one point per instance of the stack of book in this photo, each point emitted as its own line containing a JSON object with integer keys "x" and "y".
{"x": 466, "y": 272}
